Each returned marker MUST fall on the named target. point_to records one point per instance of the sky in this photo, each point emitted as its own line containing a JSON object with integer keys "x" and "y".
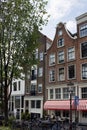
{"x": 64, "y": 11}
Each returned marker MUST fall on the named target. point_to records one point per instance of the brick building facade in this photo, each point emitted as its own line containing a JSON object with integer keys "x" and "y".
{"x": 67, "y": 62}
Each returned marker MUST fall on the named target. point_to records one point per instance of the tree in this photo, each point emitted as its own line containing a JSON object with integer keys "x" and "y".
{"x": 20, "y": 22}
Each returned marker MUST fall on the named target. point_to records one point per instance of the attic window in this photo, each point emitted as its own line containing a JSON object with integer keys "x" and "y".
{"x": 60, "y": 32}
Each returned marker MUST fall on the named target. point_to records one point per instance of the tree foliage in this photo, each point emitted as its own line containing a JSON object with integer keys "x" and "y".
{"x": 20, "y": 21}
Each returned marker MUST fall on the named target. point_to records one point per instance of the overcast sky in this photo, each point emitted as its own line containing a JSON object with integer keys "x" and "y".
{"x": 64, "y": 11}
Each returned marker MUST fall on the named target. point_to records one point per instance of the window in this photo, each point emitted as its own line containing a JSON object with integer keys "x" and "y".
{"x": 26, "y": 103}
{"x": 52, "y": 59}
{"x": 40, "y": 88}
{"x": 84, "y": 114}
{"x": 38, "y": 104}
{"x": 33, "y": 87}
{"x": 65, "y": 93}
{"x": 61, "y": 57}
{"x": 71, "y": 53}
{"x": 60, "y": 32}
{"x": 51, "y": 93}
{"x": 60, "y": 42}
{"x": 65, "y": 113}
{"x": 61, "y": 74}
{"x": 83, "y": 30}
{"x": 35, "y": 104}
{"x": 15, "y": 86}
{"x": 36, "y": 54}
{"x": 17, "y": 101}
{"x": 40, "y": 74}
{"x": 58, "y": 93}
{"x": 33, "y": 74}
{"x": 84, "y": 71}
{"x": 84, "y": 93}
{"x": 71, "y": 71}
{"x": 19, "y": 85}
{"x": 84, "y": 50}
{"x": 32, "y": 103}
{"x": 52, "y": 75}
{"x": 41, "y": 56}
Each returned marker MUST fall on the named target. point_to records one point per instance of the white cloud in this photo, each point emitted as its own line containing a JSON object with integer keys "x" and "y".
{"x": 63, "y": 11}
{"x": 59, "y": 8}
{"x": 71, "y": 26}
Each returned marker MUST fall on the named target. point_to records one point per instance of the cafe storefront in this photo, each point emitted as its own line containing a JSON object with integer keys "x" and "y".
{"x": 62, "y": 107}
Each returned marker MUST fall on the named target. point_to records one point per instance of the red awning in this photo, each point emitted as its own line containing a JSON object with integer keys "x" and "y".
{"x": 82, "y": 105}
{"x": 64, "y": 105}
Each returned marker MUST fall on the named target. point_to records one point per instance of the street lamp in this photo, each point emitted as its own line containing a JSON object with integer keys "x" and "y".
{"x": 70, "y": 84}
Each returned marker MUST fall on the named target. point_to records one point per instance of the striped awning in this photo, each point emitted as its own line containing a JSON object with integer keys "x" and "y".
{"x": 64, "y": 105}
{"x": 82, "y": 105}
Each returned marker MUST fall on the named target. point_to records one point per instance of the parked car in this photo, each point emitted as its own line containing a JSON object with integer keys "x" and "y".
{"x": 1, "y": 119}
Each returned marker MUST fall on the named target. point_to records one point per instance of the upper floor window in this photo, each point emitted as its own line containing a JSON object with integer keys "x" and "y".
{"x": 33, "y": 87}
{"x": 84, "y": 71}
{"x": 41, "y": 56}
{"x": 71, "y": 71}
{"x": 83, "y": 30}
{"x": 60, "y": 32}
{"x": 71, "y": 53}
{"x": 84, "y": 50}
{"x": 60, "y": 42}
{"x": 40, "y": 88}
{"x": 60, "y": 56}
{"x": 65, "y": 93}
{"x": 40, "y": 73}
{"x": 15, "y": 86}
{"x": 52, "y": 59}
{"x": 52, "y": 75}
{"x": 51, "y": 93}
{"x": 61, "y": 74}
{"x": 58, "y": 93}
{"x": 33, "y": 74}
{"x": 19, "y": 85}
{"x": 36, "y": 54}
{"x": 84, "y": 92}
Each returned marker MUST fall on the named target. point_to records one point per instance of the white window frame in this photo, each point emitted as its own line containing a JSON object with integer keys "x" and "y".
{"x": 84, "y": 93}
{"x": 36, "y": 54}
{"x": 51, "y": 94}
{"x": 61, "y": 57}
{"x": 51, "y": 59}
{"x": 71, "y": 53}
{"x": 70, "y": 72}
{"x": 82, "y": 72}
{"x": 41, "y": 56}
{"x": 52, "y": 75}
{"x": 15, "y": 87}
{"x": 40, "y": 72}
{"x": 58, "y": 94}
{"x": 60, "y": 42}
{"x": 61, "y": 75}
{"x": 83, "y": 30}
{"x": 39, "y": 88}
{"x": 83, "y": 50}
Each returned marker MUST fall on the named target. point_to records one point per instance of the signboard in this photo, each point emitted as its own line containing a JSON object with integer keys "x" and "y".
{"x": 76, "y": 101}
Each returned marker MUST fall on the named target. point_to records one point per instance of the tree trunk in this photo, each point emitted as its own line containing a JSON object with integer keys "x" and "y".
{"x": 6, "y": 106}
